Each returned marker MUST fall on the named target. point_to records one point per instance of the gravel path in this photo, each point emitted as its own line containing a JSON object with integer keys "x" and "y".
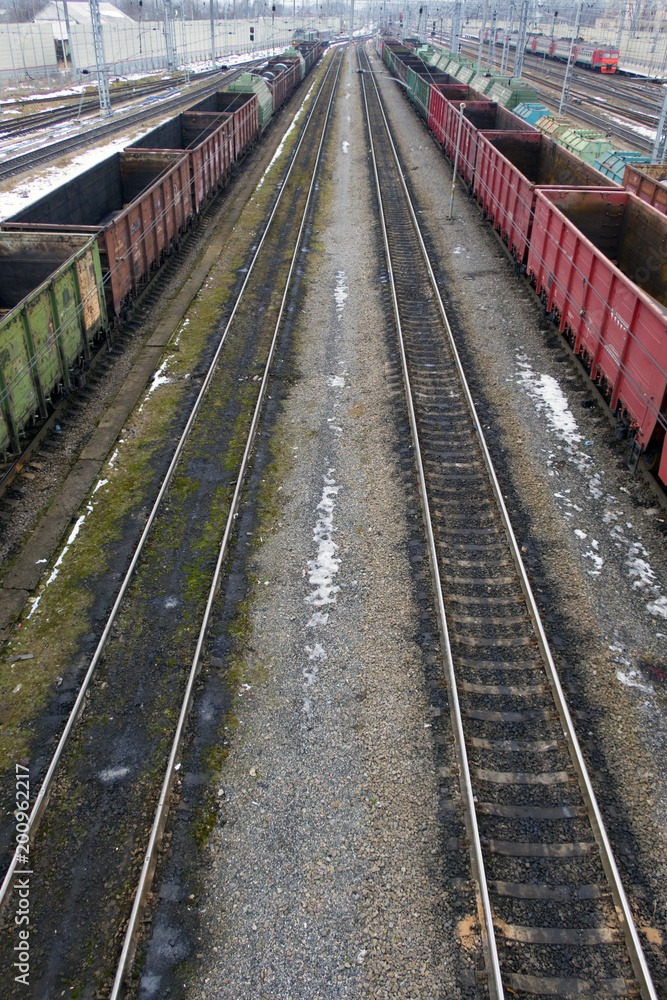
{"x": 325, "y": 880}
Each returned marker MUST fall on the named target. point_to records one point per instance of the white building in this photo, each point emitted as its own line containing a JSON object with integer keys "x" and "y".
{"x": 79, "y": 13}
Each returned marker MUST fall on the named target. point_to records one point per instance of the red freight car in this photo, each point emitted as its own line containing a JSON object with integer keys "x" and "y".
{"x": 648, "y": 182}
{"x": 242, "y": 109}
{"x": 477, "y": 116}
{"x": 207, "y": 141}
{"x": 441, "y": 95}
{"x": 510, "y": 166}
{"x": 613, "y": 313}
{"x": 138, "y": 203}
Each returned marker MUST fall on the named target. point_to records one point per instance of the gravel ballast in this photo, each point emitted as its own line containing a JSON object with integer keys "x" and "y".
{"x": 327, "y": 876}
{"x": 325, "y": 879}
{"x": 336, "y": 865}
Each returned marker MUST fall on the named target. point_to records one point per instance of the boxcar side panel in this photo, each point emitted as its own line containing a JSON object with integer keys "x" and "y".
{"x": 616, "y": 326}
{"x": 437, "y": 115}
{"x": 49, "y": 329}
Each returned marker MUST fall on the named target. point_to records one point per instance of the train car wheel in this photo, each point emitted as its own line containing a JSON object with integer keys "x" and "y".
{"x": 651, "y": 458}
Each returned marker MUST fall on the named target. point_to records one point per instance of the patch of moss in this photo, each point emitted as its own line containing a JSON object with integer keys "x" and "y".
{"x": 204, "y": 822}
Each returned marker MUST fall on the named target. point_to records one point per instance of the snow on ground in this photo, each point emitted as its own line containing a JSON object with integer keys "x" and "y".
{"x": 552, "y": 405}
{"x": 28, "y": 191}
{"x": 204, "y": 66}
{"x": 648, "y": 133}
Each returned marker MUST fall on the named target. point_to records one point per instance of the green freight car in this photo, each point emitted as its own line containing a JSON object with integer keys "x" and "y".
{"x": 52, "y": 310}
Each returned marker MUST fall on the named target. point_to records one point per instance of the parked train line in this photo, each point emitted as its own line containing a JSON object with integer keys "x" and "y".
{"x": 593, "y": 56}
{"x": 606, "y": 293}
{"x": 75, "y": 261}
{"x": 546, "y": 877}
{"x": 102, "y": 881}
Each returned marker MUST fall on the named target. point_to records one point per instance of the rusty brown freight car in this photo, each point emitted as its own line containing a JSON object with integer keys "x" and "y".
{"x": 282, "y": 75}
{"x": 206, "y": 139}
{"x": 138, "y": 203}
{"x": 648, "y": 182}
{"x": 242, "y": 111}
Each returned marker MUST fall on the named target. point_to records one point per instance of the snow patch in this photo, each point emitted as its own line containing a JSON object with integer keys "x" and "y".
{"x": 112, "y": 774}
{"x": 340, "y": 293}
{"x": 316, "y": 652}
{"x": 324, "y": 567}
{"x": 550, "y": 400}
{"x": 629, "y": 681}
{"x": 159, "y": 378}
{"x": 658, "y": 607}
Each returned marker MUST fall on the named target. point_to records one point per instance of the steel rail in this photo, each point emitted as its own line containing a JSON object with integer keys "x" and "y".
{"x": 619, "y": 89}
{"x": 633, "y": 943}
{"x": 45, "y": 789}
{"x": 79, "y": 105}
{"x": 160, "y": 819}
{"x": 493, "y": 963}
{"x": 89, "y": 137}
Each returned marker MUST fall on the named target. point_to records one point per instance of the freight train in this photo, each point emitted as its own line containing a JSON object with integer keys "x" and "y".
{"x": 590, "y": 55}
{"x": 73, "y": 263}
{"x": 595, "y": 253}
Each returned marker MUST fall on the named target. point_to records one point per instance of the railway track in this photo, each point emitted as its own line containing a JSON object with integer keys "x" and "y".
{"x": 93, "y": 136}
{"x": 97, "y": 845}
{"x": 553, "y": 914}
{"x": 599, "y": 113}
{"x": 80, "y": 105}
{"x": 626, "y": 99}
{"x": 602, "y": 122}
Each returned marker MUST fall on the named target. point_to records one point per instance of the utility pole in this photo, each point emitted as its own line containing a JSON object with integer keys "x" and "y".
{"x": 567, "y": 80}
{"x": 509, "y": 24}
{"x": 660, "y": 145}
{"x": 100, "y": 60}
{"x": 71, "y": 44}
{"x": 481, "y": 37}
{"x": 169, "y": 35}
{"x": 492, "y": 41}
{"x": 455, "y": 40}
{"x": 212, "y": 34}
{"x": 621, "y": 25}
{"x": 186, "y": 68}
{"x": 652, "y": 60}
{"x": 521, "y": 40}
